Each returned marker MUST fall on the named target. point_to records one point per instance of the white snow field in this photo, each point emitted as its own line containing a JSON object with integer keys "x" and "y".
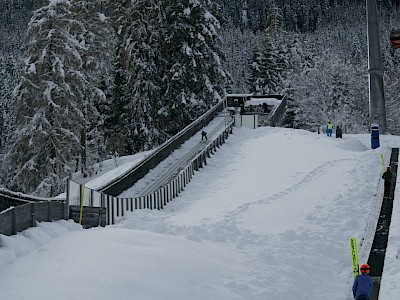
{"x": 269, "y": 217}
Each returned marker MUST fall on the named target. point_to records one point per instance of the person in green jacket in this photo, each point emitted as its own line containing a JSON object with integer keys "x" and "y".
{"x": 329, "y": 129}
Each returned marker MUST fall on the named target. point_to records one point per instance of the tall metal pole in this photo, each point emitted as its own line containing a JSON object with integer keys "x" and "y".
{"x": 375, "y": 69}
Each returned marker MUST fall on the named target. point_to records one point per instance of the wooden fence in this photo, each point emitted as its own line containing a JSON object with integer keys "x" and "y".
{"x": 16, "y": 219}
{"x": 88, "y": 216}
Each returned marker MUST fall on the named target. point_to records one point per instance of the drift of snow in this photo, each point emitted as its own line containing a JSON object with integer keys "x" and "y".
{"x": 269, "y": 217}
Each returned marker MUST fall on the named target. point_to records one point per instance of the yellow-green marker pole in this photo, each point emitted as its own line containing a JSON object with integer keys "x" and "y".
{"x": 82, "y": 200}
{"x": 354, "y": 256}
{"x": 383, "y": 162}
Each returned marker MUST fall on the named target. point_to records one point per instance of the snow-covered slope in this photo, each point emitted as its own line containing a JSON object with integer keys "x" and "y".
{"x": 270, "y": 217}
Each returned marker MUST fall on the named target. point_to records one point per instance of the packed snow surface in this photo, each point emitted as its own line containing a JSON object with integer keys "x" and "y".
{"x": 269, "y": 217}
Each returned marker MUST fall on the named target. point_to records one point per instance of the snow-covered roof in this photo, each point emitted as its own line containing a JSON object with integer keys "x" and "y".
{"x": 269, "y": 101}
{"x": 239, "y": 95}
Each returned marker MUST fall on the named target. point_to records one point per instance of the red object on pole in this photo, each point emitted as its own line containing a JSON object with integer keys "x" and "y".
{"x": 395, "y": 38}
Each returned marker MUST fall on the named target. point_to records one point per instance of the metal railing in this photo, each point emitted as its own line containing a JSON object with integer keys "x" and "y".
{"x": 276, "y": 114}
{"x": 116, "y": 207}
{"x": 126, "y": 180}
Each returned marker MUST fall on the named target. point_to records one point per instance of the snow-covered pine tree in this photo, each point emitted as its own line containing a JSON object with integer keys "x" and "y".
{"x": 330, "y": 83}
{"x": 330, "y": 90}
{"x": 97, "y": 59}
{"x": 116, "y": 126}
{"x": 392, "y": 85}
{"x": 391, "y": 62}
{"x": 255, "y": 80}
{"x": 303, "y": 16}
{"x": 115, "y": 121}
{"x": 49, "y": 103}
{"x": 8, "y": 80}
{"x": 392, "y": 98}
{"x": 145, "y": 69}
{"x": 195, "y": 78}
{"x": 271, "y": 65}
{"x": 238, "y": 46}
{"x": 232, "y": 11}
{"x": 301, "y": 61}
{"x": 256, "y": 12}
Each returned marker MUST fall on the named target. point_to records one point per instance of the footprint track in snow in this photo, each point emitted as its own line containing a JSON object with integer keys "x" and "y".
{"x": 306, "y": 179}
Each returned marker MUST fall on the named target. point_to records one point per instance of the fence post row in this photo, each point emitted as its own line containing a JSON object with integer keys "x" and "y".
{"x": 115, "y": 207}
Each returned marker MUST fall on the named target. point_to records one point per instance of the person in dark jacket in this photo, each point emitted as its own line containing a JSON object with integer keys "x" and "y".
{"x": 242, "y": 110}
{"x": 362, "y": 286}
{"x": 387, "y": 176}
{"x": 338, "y": 132}
{"x": 203, "y": 135}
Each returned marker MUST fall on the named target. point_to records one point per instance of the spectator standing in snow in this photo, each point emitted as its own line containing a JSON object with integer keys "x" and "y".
{"x": 362, "y": 286}
{"x": 338, "y": 132}
{"x": 329, "y": 129}
{"x": 203, "y": 135}
{"x": 387, "y": 176}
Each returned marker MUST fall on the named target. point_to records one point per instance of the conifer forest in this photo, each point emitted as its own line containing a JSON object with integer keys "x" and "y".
{"x": 85, "y": 80}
